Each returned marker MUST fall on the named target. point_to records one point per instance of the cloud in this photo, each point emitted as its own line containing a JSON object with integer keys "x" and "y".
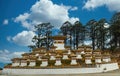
{"x": 9, "y": 38}
{"x": 46, "y": 11}
{"x": 5, "y": 22}
{"x": 6, "y": 56}
{"x": 23, "y": 38}
{"x": 23, "y": 19}
{"x": 74, "y": 8}
{"x": 112, "y": 5}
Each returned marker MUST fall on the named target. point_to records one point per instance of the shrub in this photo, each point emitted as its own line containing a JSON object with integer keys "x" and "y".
{"x": 51, "y": 62}
{"x": 28, "y": 63}
{"x": 38, "y": 63}
{"x": 66, "y": 62}
{"x": 81, "y": 61}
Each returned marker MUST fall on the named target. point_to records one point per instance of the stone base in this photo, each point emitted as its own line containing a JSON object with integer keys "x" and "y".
{"x": 73, "y": 62}
{"x": 42, "y": 72}
{"x": 106, "y": 60}
{"x": 98, "y": 61}
{"x": 44, "y": 64}
{"x": 79, "y": 57}
{"x": 32, "y": 64}
{"x": 15, "y": 64}
{"x": 52, "y": 58}
{"x": 69, "y": 51}
{"x": 57, "y": 63}
{"x": 88, "y": 61}
{"x": 23, "y": 64}
{"x": 65, "y": 57}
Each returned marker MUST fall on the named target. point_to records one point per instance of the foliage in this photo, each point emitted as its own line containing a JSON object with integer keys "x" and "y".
{"x": 81, "y": 61}
{"x": 78, "y": 34}
{"x": 102, "y": 37}
{"x": 51, "y": 62}
{"x": 115, "y": 30}
{"x": 28, "y": 63}
{"x": 66, "y": 61}
{"x": 66, "y": 29}
{"x": 98, "y": 33}
{"x": 74, "y": 32}
{"x": 90, "y": 31}
{"x": 38, "y": 63}
{"x": 42, "y": 38}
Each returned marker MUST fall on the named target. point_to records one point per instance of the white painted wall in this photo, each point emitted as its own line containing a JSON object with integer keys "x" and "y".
{"x": 69, "y": 51}
{"x": 109, "y": 67}
{"x": 98, "y": 61}
{"x": 106, "y": 59}
{"x": 73, "y": 62}
{"x": 52, "y": 58}
{"x": 23, "y": 64}
{"x": 65, "y": 57}
{"x": 32, "y": 64}
{"x": 39, "y": 58}
{"x": 59, "y": 46}
{"x": 44, "y": 64}
{"x": 63, "y": 70}
{"x": 51, "y": 71}
{"x": 58, "y": 62}
{"x": 79, "y": 56}
{"x": 15, "y": 64}
{"x": 88, "y": 61}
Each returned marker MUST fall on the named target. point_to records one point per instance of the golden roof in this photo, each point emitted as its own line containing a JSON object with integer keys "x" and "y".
{"x": 59, "y": 51}
{"x": 106, "y": 55}
{"x": 78, "y": 50}
{"x": 67, "y": 46}
{"x": 87, "y": 46}
{"x": 88, "y": 50}
{"x": 14, "y": 59}
{"x": 106, "y": 52}
{"x": 32, "y": 58}
{"x": 58, "y": 56}
{"x": 32, "y": 53}
{"x": 58, "y": 37}
{"x": 41, "y": 52}
{"x": 98, "y": 56}
{"x": 98, "y": 50}
{"x": 53, "y": 46}
{"x": 65, "y": 51}
{"x": 23, "y": 58}
{"x": 88, "y": 55}
{"x": 51, "y": 52}
{"x": 45, "y": 57}
{"x": 26, "y": 54}
{"x": 72, "y": 55}
{"x": 74, "y": 50}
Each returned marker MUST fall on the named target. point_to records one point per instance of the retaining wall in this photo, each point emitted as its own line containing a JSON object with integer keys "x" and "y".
{"x": 100, "y": 68}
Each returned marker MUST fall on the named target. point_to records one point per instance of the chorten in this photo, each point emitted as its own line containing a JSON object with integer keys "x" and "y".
{"x": 15, "y": 62}
{"x": 59, "y": 42}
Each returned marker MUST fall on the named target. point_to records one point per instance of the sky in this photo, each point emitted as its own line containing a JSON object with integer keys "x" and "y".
{"x": 18, "y": 18}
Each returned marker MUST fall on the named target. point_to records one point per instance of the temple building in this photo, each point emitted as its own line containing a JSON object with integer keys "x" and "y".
{"x": 60, "y": 55}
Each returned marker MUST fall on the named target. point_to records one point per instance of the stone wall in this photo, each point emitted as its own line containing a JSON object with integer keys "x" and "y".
{"x": 109, "y": 67}
{"x": 100, "y": 68}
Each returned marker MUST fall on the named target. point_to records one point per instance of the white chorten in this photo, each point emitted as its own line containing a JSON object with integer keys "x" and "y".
{"x": 59, "y": 42}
